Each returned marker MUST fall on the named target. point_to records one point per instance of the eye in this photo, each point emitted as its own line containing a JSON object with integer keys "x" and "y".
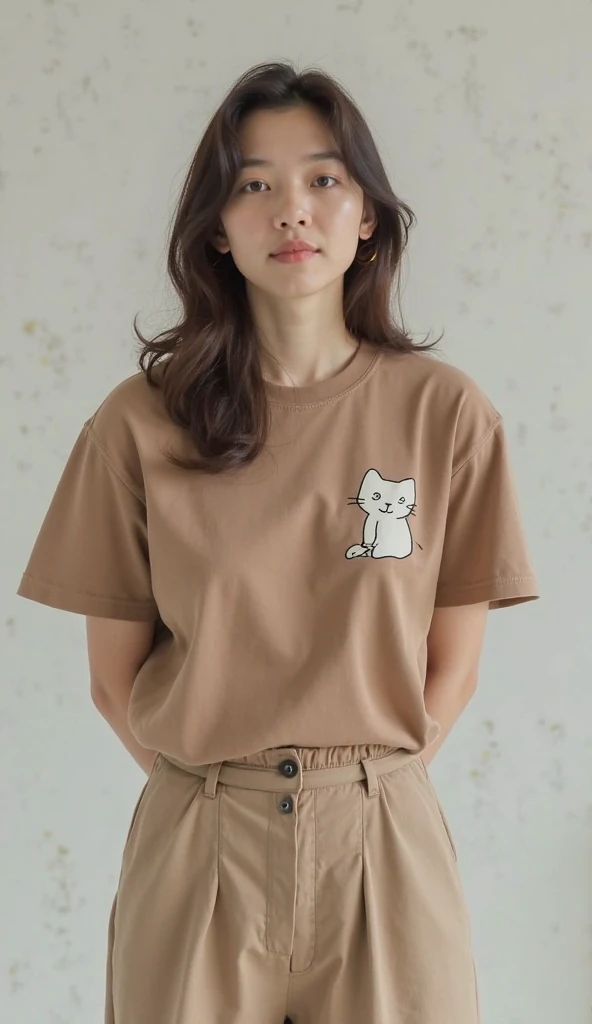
{"x": 246, "y": 188}
{"x": 402, "y": 500}
{"x": 329, "y": 176}
{"x": 376, "y": 495}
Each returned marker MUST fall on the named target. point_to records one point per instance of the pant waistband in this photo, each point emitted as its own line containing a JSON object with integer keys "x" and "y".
{"x": 250, "y": 776}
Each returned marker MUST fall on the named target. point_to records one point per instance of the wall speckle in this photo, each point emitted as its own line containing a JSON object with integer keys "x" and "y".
{"x": 19, "y": 975}
{"x": 60, "y": 901}
{"x": 468, "y": 33}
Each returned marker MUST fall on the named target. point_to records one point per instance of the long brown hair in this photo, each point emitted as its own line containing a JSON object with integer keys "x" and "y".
{"x": 212, "y": 382}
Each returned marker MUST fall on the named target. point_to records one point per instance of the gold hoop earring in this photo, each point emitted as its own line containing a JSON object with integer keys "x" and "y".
{"x": 364, "y": 261}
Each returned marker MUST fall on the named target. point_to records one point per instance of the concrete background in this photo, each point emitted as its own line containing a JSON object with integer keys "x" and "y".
{"x": 481, "y": 113}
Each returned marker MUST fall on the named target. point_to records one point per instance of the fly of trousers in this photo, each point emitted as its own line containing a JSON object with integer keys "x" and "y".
{"x": 318, "y": 885}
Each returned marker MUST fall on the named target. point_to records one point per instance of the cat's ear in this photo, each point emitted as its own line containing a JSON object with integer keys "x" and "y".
{"x": 409, "y": 485}
{"x": 372, "y": 476}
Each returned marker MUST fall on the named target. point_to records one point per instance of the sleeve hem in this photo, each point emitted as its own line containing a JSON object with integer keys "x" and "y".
{"x": 500, "y": 592}
{"x": 87, "y": 604}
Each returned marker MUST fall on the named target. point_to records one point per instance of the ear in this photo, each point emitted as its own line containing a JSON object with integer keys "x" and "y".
{"x": 368, "y": 222}
{"x": 219, "y": 240}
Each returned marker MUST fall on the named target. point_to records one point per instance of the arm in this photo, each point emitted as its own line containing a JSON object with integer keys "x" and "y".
{"x": 455, "y": 641}
{"x": 116, "y": 652}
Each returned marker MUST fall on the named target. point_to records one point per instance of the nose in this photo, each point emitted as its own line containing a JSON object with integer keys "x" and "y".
{"x": 292, "y": 219}
{"x": 291, "y": 211}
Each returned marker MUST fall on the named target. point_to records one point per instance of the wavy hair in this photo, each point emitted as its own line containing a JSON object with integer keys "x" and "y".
{"x": 211, "y": 377}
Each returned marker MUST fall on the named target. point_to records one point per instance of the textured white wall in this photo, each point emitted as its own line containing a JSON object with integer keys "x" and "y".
{"x": 480, "y": 112}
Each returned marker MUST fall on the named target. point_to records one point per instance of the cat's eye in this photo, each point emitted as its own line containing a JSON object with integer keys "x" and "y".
{"x": 402, "y": 500}
{"x": 376, "y": 495}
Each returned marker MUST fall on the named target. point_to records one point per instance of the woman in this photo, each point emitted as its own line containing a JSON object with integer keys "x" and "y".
{"x": 285, "y": 532}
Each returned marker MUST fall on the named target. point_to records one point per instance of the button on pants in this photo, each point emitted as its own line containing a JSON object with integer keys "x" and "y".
{"x": 315, "y": 884}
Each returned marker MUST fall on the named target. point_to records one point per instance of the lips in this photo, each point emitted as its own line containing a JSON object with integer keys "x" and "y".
{"x": 295, "y": 247}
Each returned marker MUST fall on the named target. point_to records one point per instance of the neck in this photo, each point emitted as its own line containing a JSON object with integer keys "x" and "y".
{"x": 299, "y": 367}
{"x": 302, "y": 340}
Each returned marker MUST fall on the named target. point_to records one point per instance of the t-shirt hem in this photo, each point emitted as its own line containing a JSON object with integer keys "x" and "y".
{"x": 500, "y": 592}
{"x": 86, "y": 604}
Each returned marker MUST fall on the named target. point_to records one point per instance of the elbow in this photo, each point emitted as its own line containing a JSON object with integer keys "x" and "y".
{"x": 470, "y": 685}
{"x": 99, "y": 696}
{"x": 111, "y": 698}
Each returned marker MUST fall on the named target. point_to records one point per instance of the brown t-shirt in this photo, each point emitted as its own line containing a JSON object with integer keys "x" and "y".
{"x": 293, "y": 596}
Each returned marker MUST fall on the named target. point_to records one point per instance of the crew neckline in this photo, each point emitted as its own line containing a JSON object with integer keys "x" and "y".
{"x": 330, "y": 387}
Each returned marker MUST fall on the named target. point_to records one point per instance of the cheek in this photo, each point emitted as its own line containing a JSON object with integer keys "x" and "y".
{"x": 340, "y": 225}
{"x": 243, "y": 226}
{"x": 345, "y": 213}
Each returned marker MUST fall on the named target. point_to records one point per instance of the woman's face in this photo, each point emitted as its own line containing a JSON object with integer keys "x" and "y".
{"x": 287, "y": 191}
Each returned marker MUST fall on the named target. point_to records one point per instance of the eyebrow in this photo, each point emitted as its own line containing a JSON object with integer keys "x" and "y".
{"x": 325, "y": 154}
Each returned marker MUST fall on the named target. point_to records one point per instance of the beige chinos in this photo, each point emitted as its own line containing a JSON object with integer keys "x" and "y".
{"x": 316, "y": 884}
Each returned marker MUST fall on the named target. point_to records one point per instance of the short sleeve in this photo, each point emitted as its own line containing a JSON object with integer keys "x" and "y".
{"x": 91, "y": 554}
{"x": 485, "y": 555}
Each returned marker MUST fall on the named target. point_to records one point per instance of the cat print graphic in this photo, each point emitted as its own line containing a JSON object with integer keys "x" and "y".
{"x": 388, "y": 505}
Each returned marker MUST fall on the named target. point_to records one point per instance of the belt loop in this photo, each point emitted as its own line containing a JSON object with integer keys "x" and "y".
{"x": 371, "y": 779}
{"x": 212, "y": 779}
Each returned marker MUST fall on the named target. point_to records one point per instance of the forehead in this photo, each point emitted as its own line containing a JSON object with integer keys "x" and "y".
{"x": 279, "y": 136}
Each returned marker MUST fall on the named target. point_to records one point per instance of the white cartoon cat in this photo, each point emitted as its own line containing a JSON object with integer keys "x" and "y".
{"x": 387, "y": 504}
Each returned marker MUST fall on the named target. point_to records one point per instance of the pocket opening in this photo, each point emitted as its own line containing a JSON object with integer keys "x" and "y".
{"x": 443, "y": 817}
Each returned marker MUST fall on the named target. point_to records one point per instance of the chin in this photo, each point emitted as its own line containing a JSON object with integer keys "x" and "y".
{"x": 298, "y": 290}
{"x": 296, "y": 286}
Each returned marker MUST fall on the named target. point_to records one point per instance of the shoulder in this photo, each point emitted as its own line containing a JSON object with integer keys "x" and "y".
{"x": 126, "y": 422}
{"x": 134, "y": 405}
{"x": 131, "y": 400}
{"x": 444, "y": 398}
{"x": 431, "y": 373}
